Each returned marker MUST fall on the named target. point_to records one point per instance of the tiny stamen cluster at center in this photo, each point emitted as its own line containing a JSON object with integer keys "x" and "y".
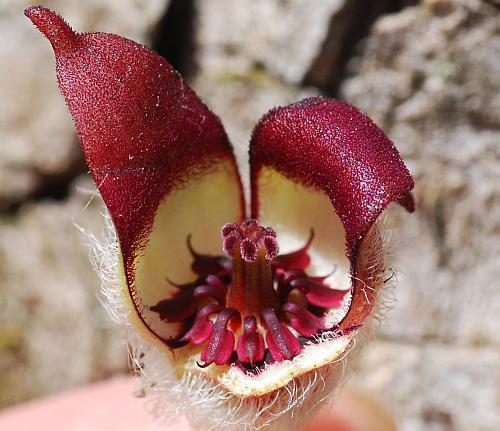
{"x": 252, "y": 306}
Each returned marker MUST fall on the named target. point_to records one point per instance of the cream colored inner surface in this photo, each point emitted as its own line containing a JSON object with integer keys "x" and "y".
{"x": 277, "y": 375}
{"x": 200, "y": 209}
{"x": 293, "y": 210}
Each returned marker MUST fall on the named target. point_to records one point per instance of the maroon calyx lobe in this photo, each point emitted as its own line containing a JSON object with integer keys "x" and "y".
{"x": 331, "y": 147}
{"x": 246, "y": 314}
{"x": 60, "y": 35}
{"x": 143, "y": 130}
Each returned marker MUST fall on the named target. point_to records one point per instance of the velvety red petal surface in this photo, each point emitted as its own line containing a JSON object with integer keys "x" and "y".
{"x": 143, "y": 130}
{"x": 331, "y": 146}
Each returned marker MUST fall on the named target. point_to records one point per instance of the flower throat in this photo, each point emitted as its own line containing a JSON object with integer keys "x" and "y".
{"x": 251, "y": 306}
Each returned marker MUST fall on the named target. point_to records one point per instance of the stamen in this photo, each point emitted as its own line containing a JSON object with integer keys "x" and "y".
{"x": 183, "y": 305}
{"x": 231, "y": 244}
{"x": 205, "y": 265}
{"x": 272, "y": 246}
{"x": 221, "y": 344}
{"x": 176, "y": 309}
{"x": 254, "y": 282}
{"x": 202, "y": 326}
{"x": 304, "y": 322}
{"x": 319, "y": 294}
{"x": 251, "y": 228}
{"x": 298, "y": 259}
{"x": 230, "y": 228}
{"x": 248, "y": 250}
{"x": 248, "y": 239}
{"x": 251, "y": 347}
{"x": 282, "y": 343}
{"x": 215, "y": 292}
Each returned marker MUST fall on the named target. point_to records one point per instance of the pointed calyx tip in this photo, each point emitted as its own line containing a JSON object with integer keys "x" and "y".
{"x": 60, "y": 34}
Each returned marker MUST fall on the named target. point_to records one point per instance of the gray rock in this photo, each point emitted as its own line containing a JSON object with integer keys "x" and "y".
{"x": 430, "y": 77}
{"x": 433, "y": 386}
{"x": 36, "y": 134}
{"x": 54, "y": 334}
{"x": 282, "y": 36}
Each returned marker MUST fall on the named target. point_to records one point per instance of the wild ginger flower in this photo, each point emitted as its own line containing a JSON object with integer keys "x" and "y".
{"x": 221, "y": 321}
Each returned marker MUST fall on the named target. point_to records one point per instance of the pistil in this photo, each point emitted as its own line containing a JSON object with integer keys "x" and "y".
{"x": 252, "y": 247}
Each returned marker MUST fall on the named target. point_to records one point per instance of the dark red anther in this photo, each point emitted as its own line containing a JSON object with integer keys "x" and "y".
{"x": 202, "y": 326}
{"x": 231, "y": 228}
{"x": 221, "y": 344}
{"x": 216, "y": 292}
{"x": 205, "y": 265}
{"x": 304, "y": 322}
{"x": 231, "y": 244}
{"x": 281, "y": 342}
{"x": 248, "y": 250}
{"x": 250, "y": 347}
{"x": 319, "y": 294}
{"x": 251, "y": 228}
{"x": 298, "y": 259}
{"x": 272, "y": 246}
{"x": 177, "y": 308}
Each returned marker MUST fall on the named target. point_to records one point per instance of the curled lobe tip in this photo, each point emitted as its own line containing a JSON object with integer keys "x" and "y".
{"x": 53, "y": 26}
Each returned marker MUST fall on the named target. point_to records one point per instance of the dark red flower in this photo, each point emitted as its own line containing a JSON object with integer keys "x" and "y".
{"x": 263, "y": 300}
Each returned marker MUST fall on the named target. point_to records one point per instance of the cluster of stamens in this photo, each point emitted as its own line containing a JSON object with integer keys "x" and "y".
{"x": 247, "y": 239}
{"x": 252, "y": 306}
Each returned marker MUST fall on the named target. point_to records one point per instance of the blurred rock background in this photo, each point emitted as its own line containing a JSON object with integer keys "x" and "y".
{"x": 427, "y": 71}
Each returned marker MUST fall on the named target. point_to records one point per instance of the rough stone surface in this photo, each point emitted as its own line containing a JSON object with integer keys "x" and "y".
{"x": 36, "y": 133}
{"x": 430, "y": 76}
{"x": 54, "y": 334}
{"x": 281, "y": 36}
{"x": 433, "y": 386}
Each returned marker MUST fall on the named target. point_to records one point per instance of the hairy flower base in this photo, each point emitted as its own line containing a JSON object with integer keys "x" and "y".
{"x": 227, "y": 399}
{"x": 265, "y": 301}
{"x": 164, "y": 167}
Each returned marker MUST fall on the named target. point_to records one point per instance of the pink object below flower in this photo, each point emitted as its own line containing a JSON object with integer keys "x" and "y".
{"x": 245, "y": 318}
